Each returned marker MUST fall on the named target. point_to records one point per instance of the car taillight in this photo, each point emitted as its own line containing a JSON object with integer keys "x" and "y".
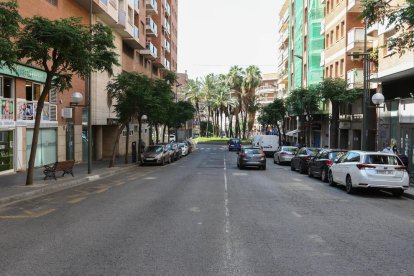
{"x": 401, "y": 168}
{"x": 328, "y": 163}
{"x": 242, "y": 155}
{"x": 365, "y": 166}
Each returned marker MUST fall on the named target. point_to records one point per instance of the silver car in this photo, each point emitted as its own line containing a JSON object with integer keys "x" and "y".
{"x": 157, "y": 155}
{"x": 284, "y": 154}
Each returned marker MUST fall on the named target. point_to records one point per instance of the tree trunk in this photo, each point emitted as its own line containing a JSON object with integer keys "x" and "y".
{"x": 163, "y": 133}
{"x": 118, "y": 135}
{"x": 36, "y": 130}
{"x": 230, "y": 125}
{"x": 284, "y": 130}
{"x": 208, "y": 120}
{"x": 221, "y": 122}
{"x": 237, "y": 126}
{"x": 157, "y": 132}
{"x": 127, "y": 144}
{"x": 334, "y": 126}
{"x": 139, "y": 140}
{"x": 280, "y": 137}
{"x": 244, "y": 125}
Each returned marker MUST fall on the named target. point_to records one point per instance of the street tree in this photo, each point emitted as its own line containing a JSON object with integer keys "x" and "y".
{"x": 9, "y": 29}
{"x": 192, "y": 92}
{"x": 133, "y": 94}
{"x": 390, "y": 14}
{"x": 274, "y": 114}
{"x": 235, "y": 82}
{"x": 251, "y": 81}
{"x": 304, "y": 103}
{"x": 337, "y": 92}
{"x": 62, "y": 48}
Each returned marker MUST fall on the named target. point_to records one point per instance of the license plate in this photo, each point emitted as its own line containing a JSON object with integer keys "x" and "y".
{"x": 150, "y": 159}
{"x": 384, "y": 172}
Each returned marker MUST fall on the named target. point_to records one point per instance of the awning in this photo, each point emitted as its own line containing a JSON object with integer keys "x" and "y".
{"x": 293, "y": 133}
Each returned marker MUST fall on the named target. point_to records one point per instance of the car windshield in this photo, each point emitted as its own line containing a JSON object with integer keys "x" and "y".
{"x": 290, "y": 149}
{"x": 252, "y": 151}
{"x": 169, "y": 146}
{"x": 336, "y": 155}
{"x": 235, "y": 141}
{"x": 382, "y": 159}
{"x": 156, "y": 149}
{"x": 313, "y": 151}
{"x": 181, "y": 145}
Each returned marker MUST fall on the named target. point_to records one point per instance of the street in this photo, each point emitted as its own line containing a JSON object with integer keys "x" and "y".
{"x": 203, "y": 216}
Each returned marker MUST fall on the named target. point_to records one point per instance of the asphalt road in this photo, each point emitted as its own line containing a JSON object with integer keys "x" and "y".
{"x": 203, "y": 216}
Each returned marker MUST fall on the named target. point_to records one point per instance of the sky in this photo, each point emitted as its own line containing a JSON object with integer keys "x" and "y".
{"x": 214, "y": 35}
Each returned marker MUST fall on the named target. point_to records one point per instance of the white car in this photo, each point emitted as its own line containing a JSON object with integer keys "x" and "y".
{"x": 284, "y": 154}
{"x": 184, "y": 148}
{"x": 359, "y": 169}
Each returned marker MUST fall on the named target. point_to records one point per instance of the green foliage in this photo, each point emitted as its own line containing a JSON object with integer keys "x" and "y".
{"x": 182, "y": 112}
{"x": 303, "y": 101}
{"x": 65, "y": 47}
{"x": 9, "y": 29}
{"x": 402, "y": 17}
{"x": 336, "y": 90}
{"x": 273, "y": 113}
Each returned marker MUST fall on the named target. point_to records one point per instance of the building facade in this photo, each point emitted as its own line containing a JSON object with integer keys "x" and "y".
{"x": 266, "y": 93}
{"x": 145, "y": 34}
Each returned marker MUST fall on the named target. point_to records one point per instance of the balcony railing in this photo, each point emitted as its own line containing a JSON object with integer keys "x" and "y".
{"x": 122, "y": 18}
{"x": 105, "y": 2}
{"x": 151, "y": 27}
{"x": 322, "y": 26}
{"x": 167, "y": 8}
{"x": 356, "y": 40}
{"x": 136, "y": 32}
{"x": 113, "y": 3}
{"x": 167, "y": 45}
{"x": 167, "y": 26}
{"x": 354, "y": 6}
{"x": 151, "y": 6}
{"x": 355, "y": 78}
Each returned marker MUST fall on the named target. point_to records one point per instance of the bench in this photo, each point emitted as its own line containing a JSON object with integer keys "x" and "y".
{"x": 62, "y": 166}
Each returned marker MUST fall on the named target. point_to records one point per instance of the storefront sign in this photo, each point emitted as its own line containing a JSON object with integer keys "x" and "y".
{"x": 25, "y": 72}
{"x": 344, "y": 125}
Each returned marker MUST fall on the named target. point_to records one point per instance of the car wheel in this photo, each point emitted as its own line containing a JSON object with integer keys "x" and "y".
{"x": 397, "y": 192}
{"x": 278, "y": 161}
{"x": 330, "y": 179}
{"x": 241, "y": 167}
{"x": 163, "y": 162}
{"x": 349, "y": 188}
{"x": 310, "y": 172}
{"x": 324, "y": 177}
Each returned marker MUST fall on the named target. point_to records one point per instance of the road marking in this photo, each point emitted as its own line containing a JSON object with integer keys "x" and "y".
{"x": 76, "y": 200}
{"x": 296, "y": 214}
{"x": 227, "y": 260}
{"x": 316, "y": 238}
{"x": 239, "y": 174}
{"x": 101, "y": 190}
{"x": 29, "y": 214}
{"x": 195, "y": 209}
{"x": 150, "y": 178}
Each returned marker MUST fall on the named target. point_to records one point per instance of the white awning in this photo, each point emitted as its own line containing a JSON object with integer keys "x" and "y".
{"x": 293, "y": 133}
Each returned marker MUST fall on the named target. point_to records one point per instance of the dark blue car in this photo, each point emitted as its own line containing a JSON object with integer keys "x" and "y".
{"x": 234, "y": 144}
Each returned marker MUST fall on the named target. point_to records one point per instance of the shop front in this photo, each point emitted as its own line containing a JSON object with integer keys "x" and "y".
{"x": 6, "y": 150}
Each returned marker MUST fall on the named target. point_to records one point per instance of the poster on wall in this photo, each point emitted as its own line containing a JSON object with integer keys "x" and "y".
{"x": 29, "y": 112}
{"x": 21, "y": 109}
{"x": 7, "y": 110}
{"x": 45, "y": 112}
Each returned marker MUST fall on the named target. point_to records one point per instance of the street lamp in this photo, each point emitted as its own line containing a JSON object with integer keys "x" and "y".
{"x": 75, "y": 99}
{"x": 378, "y": 100}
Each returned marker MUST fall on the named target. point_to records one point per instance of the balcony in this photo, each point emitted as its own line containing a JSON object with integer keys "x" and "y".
{"x": 151, "y": 27}
{"x": 167, "y": 27}
{"x": 107, "y": 10}
{"x": 355, "y": 78}
{"x": 384, "y": 28}
{"x": 322, "y": 62}
{"x": 122, "y": 18}
{"x": 150, "y": 51}
{"x": 136, "y": 5}
{"x": 354, "y": 6}
{"x": 373, "y": 30}
{"x": 113, "y": 3}
{"x": 266, "y": 89}
{"x": 322, "y": 26}
{"x": 356, "y": 40}
{"x": 151, "y": 6}
{"x": 285, "y": 36}
{"x": 167, "y": 46}
{"x": 167, "y": 8}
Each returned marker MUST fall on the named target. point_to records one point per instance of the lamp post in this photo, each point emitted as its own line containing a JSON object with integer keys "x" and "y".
{"x": 141, "y": 120}
{"x": 89, "y": 104}
{"x": 75, "y": 99}
{"x": 378, "y": 100}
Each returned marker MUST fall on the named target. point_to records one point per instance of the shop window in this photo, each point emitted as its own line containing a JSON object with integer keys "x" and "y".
{"x": 6, "y": 87}
{"x": 46, "y": 152}
{"x": 33, "y": 91}
{"x": 6, "y": 150}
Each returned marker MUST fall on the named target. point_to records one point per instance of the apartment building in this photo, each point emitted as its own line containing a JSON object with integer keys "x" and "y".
{"x": 301, "y": 47}
{"x": 266, "y": 93}
{"x": 146, "y": 41}
{"x": 395, "y": 78}
{"x": 344, "y": 42}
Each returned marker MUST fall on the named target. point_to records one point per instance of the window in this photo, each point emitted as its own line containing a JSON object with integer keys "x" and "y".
{"x": 332, "y": 5}
{"x": 6, "y": 87}
{"x": 352, "y": 157}
{"x": 53, "y": 2}
{"x": 326, "y": 72}
{"x": 33, "y": 91}
{"x": 342, "y": 29}
{"x": 342, "y": 68}
{"x": 327, "y": 7}
{"x": 336, "y": 69}
{"x": 305, "y": 42}
{"x": 337, "y": 33}
{"x": 332, "y": 35}
{"x": 327, "y": 41}
{"x": 331, "y": 71}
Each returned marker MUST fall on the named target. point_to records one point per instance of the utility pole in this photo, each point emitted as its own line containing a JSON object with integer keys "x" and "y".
{"x": 366, "y": 98}
{"x": 89, "y": 103}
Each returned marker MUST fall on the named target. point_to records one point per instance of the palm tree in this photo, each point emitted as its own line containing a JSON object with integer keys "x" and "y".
{"x": 251, "y": 81}
{"x": 193, "y": 93}
{"x": 208, "y": 89}
{"x": 235, "y": 82}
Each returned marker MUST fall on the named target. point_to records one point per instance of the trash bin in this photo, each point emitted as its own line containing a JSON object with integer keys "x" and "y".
{"x": 134, "y": 152}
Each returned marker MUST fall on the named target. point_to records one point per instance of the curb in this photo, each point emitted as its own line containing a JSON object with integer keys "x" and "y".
{"x": 407, "y": 195}
{"x": 56, "y": 187}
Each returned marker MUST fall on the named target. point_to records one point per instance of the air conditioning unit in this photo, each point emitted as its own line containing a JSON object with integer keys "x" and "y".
{"x": 356, "y": 56}
{"x": 67, "y": 113}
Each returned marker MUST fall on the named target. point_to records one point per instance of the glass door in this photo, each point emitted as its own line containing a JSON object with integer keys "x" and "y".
{"x": 6, "y": 150}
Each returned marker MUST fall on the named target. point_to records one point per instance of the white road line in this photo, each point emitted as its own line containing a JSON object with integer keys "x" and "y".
{"x": 296, "y": 214}
{"x": 227, "y": 218}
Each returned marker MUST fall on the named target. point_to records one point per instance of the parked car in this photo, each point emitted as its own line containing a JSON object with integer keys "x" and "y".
{"x": 251, "y": 157}
{"x": 171, "y": 138}
{"x": 184, "y": 148}
{"x": 361, "y": 170}
{"x": 301, "y": 159}
{"x": 172, "y": 152}
{"x": 234, "y": 144}
{"x": 319, "y": 165}
{"x": 284, "y": 154}
{"x": 157, "y": 154}
{"x": 190, "y": 145}
{"x": 177, "y": 151}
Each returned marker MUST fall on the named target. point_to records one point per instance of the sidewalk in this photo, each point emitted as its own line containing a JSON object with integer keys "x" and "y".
{"x": 13, "y": 188}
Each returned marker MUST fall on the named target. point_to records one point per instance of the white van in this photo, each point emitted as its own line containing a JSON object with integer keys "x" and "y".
{"x": 269, "y": 144}
{"x": 256, "y": 140}
{"x": 171, "y": 138}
